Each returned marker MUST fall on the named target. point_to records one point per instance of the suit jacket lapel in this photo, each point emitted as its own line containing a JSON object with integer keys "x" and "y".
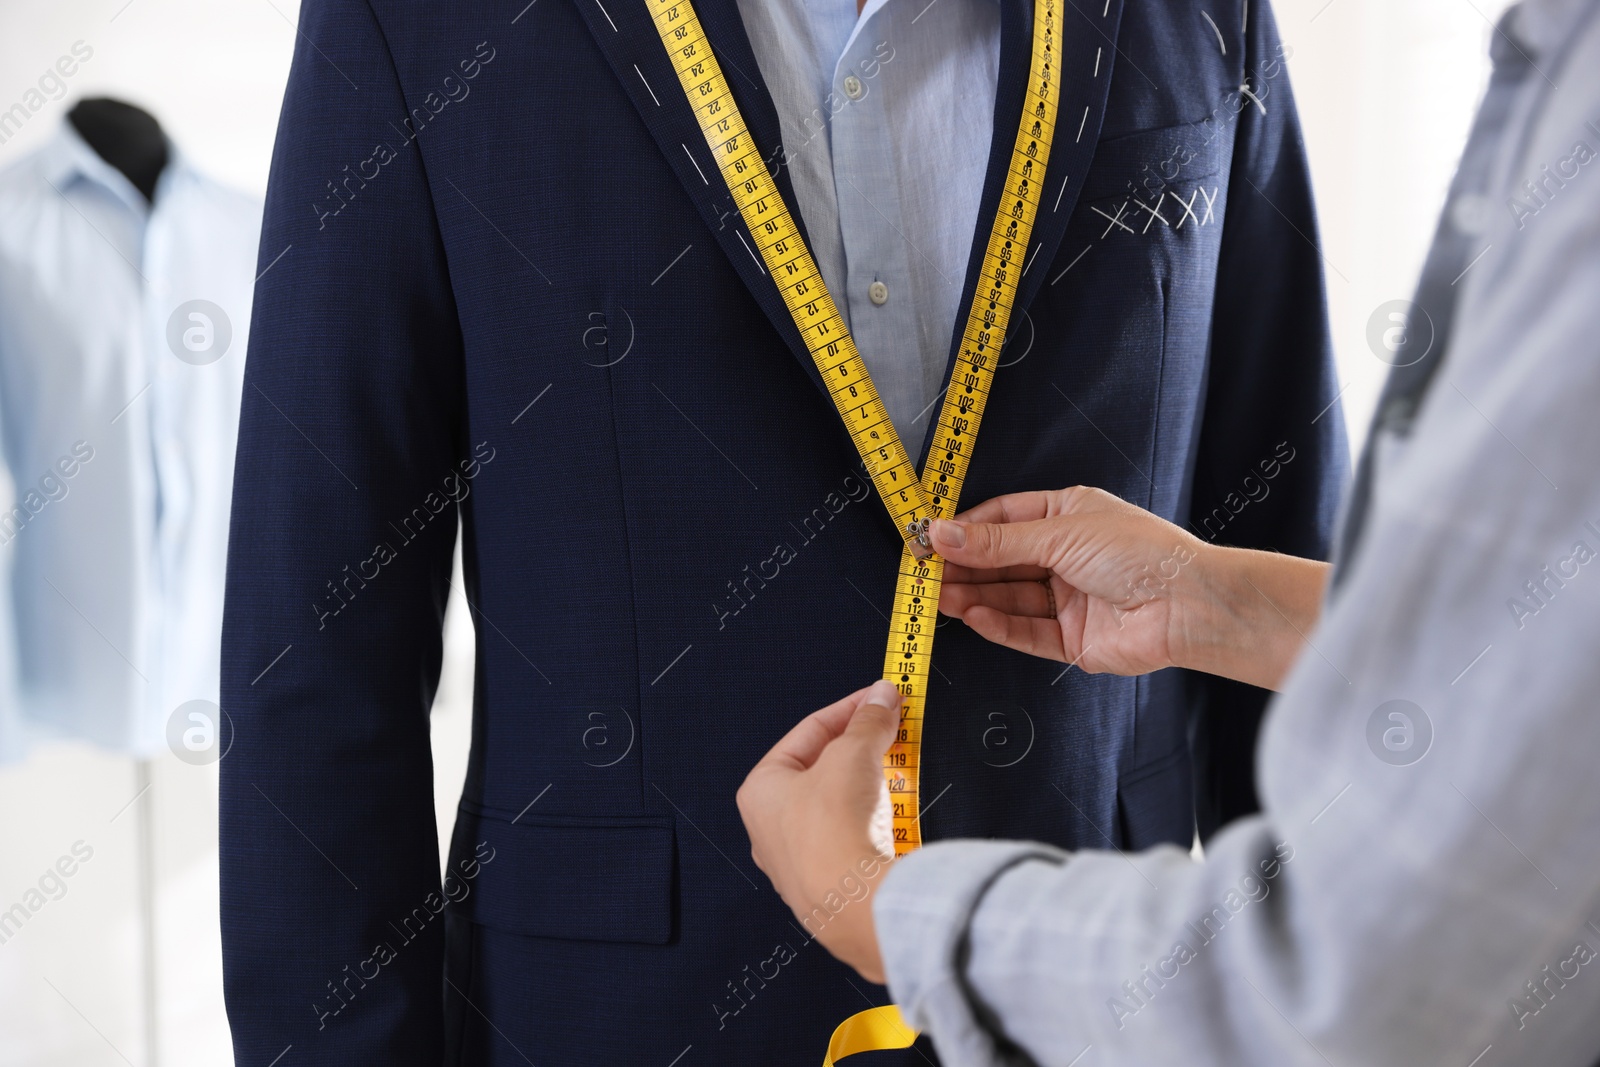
{"x": 1087, "y": 36}
{"x": 628, "y": 38}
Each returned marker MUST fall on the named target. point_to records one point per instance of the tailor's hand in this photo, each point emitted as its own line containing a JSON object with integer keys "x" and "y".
{"x": 1081, "y": 576}
{"x": 818, "y": 814}
{"x": 1110, "y": 567}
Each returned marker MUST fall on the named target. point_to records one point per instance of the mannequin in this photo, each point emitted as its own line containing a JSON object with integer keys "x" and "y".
{"x": 127, "y": 137}
{"x": 130, "y": 139}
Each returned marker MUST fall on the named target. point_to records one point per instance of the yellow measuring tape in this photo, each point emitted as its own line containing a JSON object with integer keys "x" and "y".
{"x": 912, "y": 501}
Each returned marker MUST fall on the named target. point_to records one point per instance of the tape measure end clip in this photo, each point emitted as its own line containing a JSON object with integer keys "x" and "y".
{"x": 917, "y": 537}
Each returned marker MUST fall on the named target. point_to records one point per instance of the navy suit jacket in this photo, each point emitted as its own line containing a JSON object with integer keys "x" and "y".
{"x": 670, "y": 552}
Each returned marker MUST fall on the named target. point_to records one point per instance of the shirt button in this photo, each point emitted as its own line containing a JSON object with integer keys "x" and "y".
{"x": 853, "y": 89}
{"x": 878, "y": 293}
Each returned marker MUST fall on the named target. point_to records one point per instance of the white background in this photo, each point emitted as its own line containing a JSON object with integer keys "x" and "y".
{"x": 1385, "y": 88}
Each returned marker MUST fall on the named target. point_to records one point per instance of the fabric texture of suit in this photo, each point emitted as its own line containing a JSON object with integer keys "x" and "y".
{"x": 670, "y": 551}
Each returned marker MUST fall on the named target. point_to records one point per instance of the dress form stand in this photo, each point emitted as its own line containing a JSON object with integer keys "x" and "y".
{"x": 145, "y": 857}
{"x": 131, "y": 140}
{"x": 127, "y": 137}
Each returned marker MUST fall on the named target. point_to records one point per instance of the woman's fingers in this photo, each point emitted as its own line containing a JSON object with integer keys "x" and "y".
{"x": 1036, "y": 637}
{"x": 992, "y": 546}
{"x": 1025, "y": 598}
{"x": 800, "y": 747}
{"x": 956, "y": 573}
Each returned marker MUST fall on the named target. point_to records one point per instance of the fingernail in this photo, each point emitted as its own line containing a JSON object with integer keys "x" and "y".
{"x": 950, "y": 532}
{"x": 883, "y": 694}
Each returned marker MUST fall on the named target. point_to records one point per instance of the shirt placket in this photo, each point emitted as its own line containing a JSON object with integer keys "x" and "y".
{"x": 877, "y": 253}
{"x": 154, "y": 362}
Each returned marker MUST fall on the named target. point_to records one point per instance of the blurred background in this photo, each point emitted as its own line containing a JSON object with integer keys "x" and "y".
{"x": 1386, "y": 89}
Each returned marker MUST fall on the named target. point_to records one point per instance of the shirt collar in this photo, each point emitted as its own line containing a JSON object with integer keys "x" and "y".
{"x": 66, "y": 157}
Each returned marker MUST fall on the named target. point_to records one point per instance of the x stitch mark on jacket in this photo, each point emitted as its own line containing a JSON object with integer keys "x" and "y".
{"x": 1197, "y": 208}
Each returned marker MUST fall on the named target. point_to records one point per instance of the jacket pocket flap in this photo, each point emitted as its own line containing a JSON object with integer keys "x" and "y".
{"x": 581, "y": 879}
{"x": 1145, "y": 162}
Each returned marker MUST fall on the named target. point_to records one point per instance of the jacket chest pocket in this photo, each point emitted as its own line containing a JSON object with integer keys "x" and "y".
{"x": 1166, "y": 184}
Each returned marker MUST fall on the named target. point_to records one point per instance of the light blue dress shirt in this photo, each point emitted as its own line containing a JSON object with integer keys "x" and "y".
{"x": 119, "y": 408}
{"x": 887, "y": 119}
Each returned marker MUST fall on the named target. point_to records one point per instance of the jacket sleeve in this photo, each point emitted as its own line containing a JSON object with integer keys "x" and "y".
{"x": 1272, "y": 459}
{"x": 338, "y": 567}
